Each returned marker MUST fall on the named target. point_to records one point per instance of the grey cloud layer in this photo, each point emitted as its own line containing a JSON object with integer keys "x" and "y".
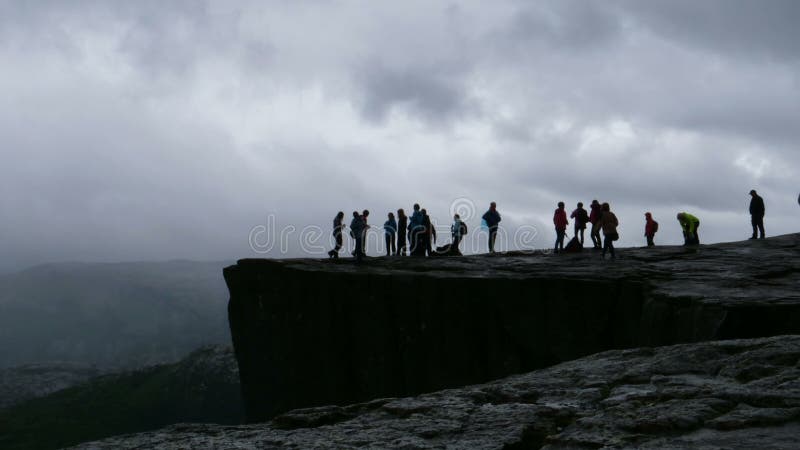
{"x": 146, "y": 130}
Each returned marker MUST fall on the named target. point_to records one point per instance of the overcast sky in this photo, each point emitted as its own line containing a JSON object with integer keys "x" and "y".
{"x": 173, "y": 129}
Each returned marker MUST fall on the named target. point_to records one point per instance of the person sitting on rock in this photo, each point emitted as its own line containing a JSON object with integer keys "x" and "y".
{"x": 561, "y": 222}
{"x": 689, "y": 225}
{"x": 608, "y": 223}
{"x": 389, "y": 232}
{"x": 594, "y": 216}
{"x": 650, "y": 228}
{"x": 581, "y": 219}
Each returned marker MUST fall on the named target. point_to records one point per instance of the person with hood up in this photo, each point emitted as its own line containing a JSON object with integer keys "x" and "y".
{"x": 650, "y": 228}
{"x": 689, "y": 225}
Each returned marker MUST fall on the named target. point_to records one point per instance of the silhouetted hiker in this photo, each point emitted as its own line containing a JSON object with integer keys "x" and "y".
{"x": 689, "y": 224}
{"x": 458, "y": 229}
{"x": 338, "y": 226}
{"x": 650, "y": 228}
{"x": 402, "y": 228}
{"x": 415, "y": 231}
{"x": 608, "y": 222}
{"x": 357, "y": 230}
{"x": 492, "y": 219}
{"x": 757, "y": 214}
{"x": 389, "y": 232}
{"x": 429, "y": 234}
{"x": 561, "y": 222}
{"x": 581, "y": 219}
{"x": 594, "y": 216}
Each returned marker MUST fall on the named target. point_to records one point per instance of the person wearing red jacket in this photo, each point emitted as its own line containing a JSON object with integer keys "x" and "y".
{"x": 594, "y": 216}
{"x": 650, "y": 228}
{"x": 560, "y": 221}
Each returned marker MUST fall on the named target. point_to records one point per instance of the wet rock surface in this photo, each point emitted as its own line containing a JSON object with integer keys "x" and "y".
{"x": 714, "y": 395}
{"x": 311, "y": 332}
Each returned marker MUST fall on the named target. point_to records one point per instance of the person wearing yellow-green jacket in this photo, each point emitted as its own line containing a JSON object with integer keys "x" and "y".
{"x": 689, "y": 224}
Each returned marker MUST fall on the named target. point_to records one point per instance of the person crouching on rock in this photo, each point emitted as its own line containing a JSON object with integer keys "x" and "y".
{"x": 689, "y": 224}
{"x": 608, "y": 223}
{"x": 561, "y": 222}
{"x": 389, "y": 232}
{"x": 338, "y": 226}
{"x": 650, "y": 228}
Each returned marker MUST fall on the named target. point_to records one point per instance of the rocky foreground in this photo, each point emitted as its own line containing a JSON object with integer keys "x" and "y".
{"x": 724, "y": 394}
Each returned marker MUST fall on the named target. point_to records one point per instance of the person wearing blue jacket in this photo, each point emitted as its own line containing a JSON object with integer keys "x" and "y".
{"x": 492, "y": 219}
{"x": 389, "y": 233}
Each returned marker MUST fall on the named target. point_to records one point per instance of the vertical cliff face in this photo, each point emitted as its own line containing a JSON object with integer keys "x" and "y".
{"x": 311, "y": 332}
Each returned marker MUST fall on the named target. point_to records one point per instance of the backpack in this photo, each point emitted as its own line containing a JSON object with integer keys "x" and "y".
{"x": 655, "y": 227}
{"x": 463, "y": 228}
{"x": 573, "y": 246}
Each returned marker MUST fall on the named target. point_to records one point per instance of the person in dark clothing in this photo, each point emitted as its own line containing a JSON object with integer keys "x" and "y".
{"x": 429, "y": 233}
{"x": 757, "y": 211}
{"x": 650, "y": 228}
{"x": 561, "y": 222}
{"x": 457, "y": 230}
{"x": 357, "y": 230}
{"x": 581, "y": 219}
{"x": 415, "y": 232}
{"x": 492, "y": 219}
{"x": 608, "y": 223}
{"x": 594, "y": 216}
{"x": 338, "y": 226}
{"x": 389, "y": 232}
{"x": 402, "y": 228}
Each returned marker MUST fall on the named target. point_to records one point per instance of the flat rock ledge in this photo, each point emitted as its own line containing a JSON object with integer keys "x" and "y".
{"x": 712, "y": 395}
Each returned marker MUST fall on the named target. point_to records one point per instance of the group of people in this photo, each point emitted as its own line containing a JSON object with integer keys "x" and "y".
{"x": 417, "y": 235}
{"x": 404, "y": 235}
{"x": 602, "y": 219}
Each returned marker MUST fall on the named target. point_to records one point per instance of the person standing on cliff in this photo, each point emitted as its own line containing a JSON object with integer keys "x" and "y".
{"x": 594, "y": 216}
{"x": 581, "y": 218}
{"x": 492, "y": 219}
{"x": 561, "y": 222}
{"x": 458, "y": 229}
{"x": 389, "y": 232}
{"x": 402, "y": 228}
{"x": 757, "y": 214}
{"x": 338, "y": 226}
{"x": 357, "y": 229}
{"x": 650, "y": 228}
{"x": 415, "y": 230}
{"x": 608, "y": 223}
{"x": 429, "y": 234}
{"x": 689, "y": 225}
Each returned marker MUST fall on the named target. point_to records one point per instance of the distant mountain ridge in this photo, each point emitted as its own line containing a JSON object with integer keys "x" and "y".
{"x": 111, "y": 315}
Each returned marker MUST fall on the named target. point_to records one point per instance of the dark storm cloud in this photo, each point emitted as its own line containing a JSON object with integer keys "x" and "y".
{"x": 157, "y": 130}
